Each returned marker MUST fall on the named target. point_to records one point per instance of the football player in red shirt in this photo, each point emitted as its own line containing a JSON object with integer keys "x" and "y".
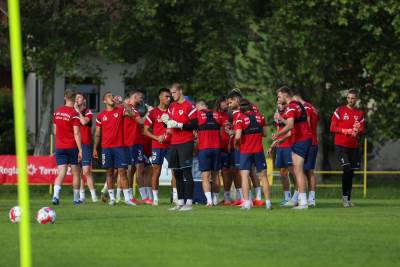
{"x": 234, "y": 98}
{"x": 250, "y": 129}
{"x": 283, "y": 160}
{"x": 110, "y": 129}
{"x": 297, "y": 123}
{"x": 209, "y": 145}
{"x": 309, "y": 164}
{"x": 182, "y": 120}
{"x": 160, "y": 136}
{"x": 85, "y": 118}
{"x": 229, "y": 173}
{"x": 348, "y": 125}
{"x": 68, "y": 145}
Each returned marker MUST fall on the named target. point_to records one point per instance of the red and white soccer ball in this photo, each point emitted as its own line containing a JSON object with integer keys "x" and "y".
{"x": 46, "y": 215}
{"x": 15, "y": 214}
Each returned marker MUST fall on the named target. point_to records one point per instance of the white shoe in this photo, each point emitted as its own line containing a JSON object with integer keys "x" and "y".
{"x": 155, "y": 202}
{"x": 130, "y": 203}
{"x": 186, "y": 208}
{"x": 311, "y": 203}
{"x": 209, "y": 204}
{"x": 346, "y": 202}
{"x": 94, "y": 200}
{"x": 300, "y": 207}
{"x": 175, "y": 208}
{"x": 290, "y": 203}
{"x": 111, "y": 202}
{"x": 245, "y": 207}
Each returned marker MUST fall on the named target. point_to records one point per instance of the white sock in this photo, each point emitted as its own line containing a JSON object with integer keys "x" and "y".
{"x": 93, "y": 194}
{"x": 250, "y": 195}
{"x": 189, "y": 202}
{"x": 208, "y": 197}
{"x": 111, "y": 194}
{"x": 149, "y": 193}
{"x": 119, "y": 192}
{"x": 267, "y": 203}
{"x": 215, "y": 197}
{"x": 295, "y": 196}
{"x": 174, "y": 194}
{"x": 81, "y": 194}
{"x": 76, "y": 194}
{"x": 247, "y": 204}
{"x": 126, "y": 195}
{"x": 155, "y": 195}
{"x": 311, "y": 196}
{"x": 143, "y": 192}
{"x": 302, "y": 199}
{"x": 130, "y": 192}
{"x": 239, "y": 193}
{"x": 57, "y": 189}
{"x": 287, "y": 195}
{"x": 180, "y": 202}
{"x": 258, "y": 193}
{"x": 227, "y": 196}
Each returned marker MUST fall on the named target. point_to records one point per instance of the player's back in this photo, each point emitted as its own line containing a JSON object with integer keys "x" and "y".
{"x": 65, "y": 118}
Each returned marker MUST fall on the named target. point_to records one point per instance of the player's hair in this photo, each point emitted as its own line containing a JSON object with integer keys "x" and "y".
{"x": 82, "y": 94}
{"x": 234, "y": 94}
{"x": 70, "y": 94}
{"x": 203, "y": 102}
{"x": 135, "y": 91}
{"x": 163, "y": 90}
{"x": 177, "y": 86}
{"x": 352, "y": 92}
{"x": 285, "y": 90}
{"x": 218, "y": 101}
{"x": 106, "y": 93}
{"x": 245, "y": 105}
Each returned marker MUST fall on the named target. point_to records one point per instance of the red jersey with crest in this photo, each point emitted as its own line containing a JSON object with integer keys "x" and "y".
{"x": 301, "y": 130}
{"x": 65, "y": 118}
{"x": 279, "y": 123}
{"x": 209, "y": 137}
{"x": 153, "y": 120}
{"x": 112, "y": 127}
{"x": 250, "y": 143}
{"x": 182, "y": 113}
{"x": 132, "y": 133}
{"x": 86, "y": 130}
{"x": 312, "y": 113}
{"x": 345, "y": 118}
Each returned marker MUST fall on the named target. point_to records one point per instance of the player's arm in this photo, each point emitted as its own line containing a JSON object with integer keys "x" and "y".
{"x": 84, "y": 119}
{"x": 54, "y": 129}
{"x": 334, "y": 128}
{"x": 289, "y": 126}
{"x": 97, "y": 135}
{"x": 78, "y": 140}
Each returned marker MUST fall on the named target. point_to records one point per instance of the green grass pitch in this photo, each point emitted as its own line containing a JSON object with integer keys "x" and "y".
{"x": 99, "y": 235}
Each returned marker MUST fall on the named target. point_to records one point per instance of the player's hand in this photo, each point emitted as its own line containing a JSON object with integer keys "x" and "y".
{"x": 347, "y": 131}
{"x": 274, "y": 136}
{"x": 164, "y": 118}
{"x": 174, "y": 124}
{"x": 76, "y": 107}
{"x": 269, "y": 152}
{"x": 357, "y": 125}
{"x": 80, "y": 155}
{"x": 95, "y": 155}
{"x": 354, "y": 133}
{"x": 117, "y": 99}
{"x": 161, "y": 138}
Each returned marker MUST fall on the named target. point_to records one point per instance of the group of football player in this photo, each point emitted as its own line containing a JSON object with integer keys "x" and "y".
{"x": 226, "y": 138}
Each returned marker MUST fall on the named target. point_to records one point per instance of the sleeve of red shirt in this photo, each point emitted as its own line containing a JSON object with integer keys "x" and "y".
{"x": 76, "y": 121}
{"x": 291, "y": 111}
{"x": 149, "y": 119}
{"x": 98, "y": 121}
{"x": 192, "y": 113}
{"x": 362, "y": 124}
{"x": 89, "y": 114}
{"x": 335, "y": 122}
{"x": 238, "y": 125}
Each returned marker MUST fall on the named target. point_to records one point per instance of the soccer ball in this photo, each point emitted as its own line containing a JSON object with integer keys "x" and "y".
{"x": 15, "y": 214}
{"x": 46, "y": 215}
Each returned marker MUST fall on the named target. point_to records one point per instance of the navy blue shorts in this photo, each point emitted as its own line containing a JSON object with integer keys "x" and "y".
{"x": 114, "y": 157}
{"x": 227, "y": 159}
{"x": 136, "y": 153}
{"x": 65, "y": 156}
{"x": 237, "y": 158}
{"x": 209, "y": 159}
{"x": 247, "y": 161}
{"x": 158, "y": 155}
{"x": 309, "y": 163}
{"x": 301, "y": 148}
{"x": 87, "y": 153}
{"x": 283, "y": 157}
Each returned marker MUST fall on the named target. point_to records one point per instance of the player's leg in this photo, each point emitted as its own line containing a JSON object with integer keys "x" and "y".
{"x": 309, "y": 166}
{"x": 87, "y": 172}
{"x": 237, "y": 178}
{"x": 227, "y": 177}
{"x": 76, "y": 181}
{"x": 354, "y": 156}
{"x": 205, "y": 177}
{"x": 298, "y": 163}
{"x": 62, "y": 171}
{"x": 345, "y": 163}
{"x": 255, "y": 180}
{"x": 156, "y": 161}
{"x": 261, "y": 168}
{"x": 216, "y": 187}
{"x": 186, "y": 161}
{"x": 173, "y": 163}
{"x": 205, "y": 168}
{"x": 148, "y": 171}
{"x": 246, "y": 163}
{"x": 121, "y": 164}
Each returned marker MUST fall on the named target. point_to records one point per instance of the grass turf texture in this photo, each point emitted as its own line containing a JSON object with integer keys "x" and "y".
{"x": 99, "y": 235}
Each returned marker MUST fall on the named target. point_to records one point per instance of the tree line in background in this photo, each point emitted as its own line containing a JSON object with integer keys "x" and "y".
{"x": 320, "y": 47}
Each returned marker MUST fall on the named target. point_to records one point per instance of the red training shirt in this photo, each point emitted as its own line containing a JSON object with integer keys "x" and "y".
{"x": 182, "y": 113}
{"x": 250, "y": 143}
{"x": 345, "y": 118}
{"x": 65, "y": 118}
{"x": 132, "y": 133}
{"x": 208, "y": 138}
{"x": 287, "y": 143}
{"x": 313, "y": 115}
{"x": 153, "y": 119}
{"x": 301, "y": 130}
{"x": 112, "y": 127}
{"x": 86, "y": 130}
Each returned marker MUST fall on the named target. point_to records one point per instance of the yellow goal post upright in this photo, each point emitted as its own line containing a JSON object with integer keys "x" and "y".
{"x": 20, "y": 131}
